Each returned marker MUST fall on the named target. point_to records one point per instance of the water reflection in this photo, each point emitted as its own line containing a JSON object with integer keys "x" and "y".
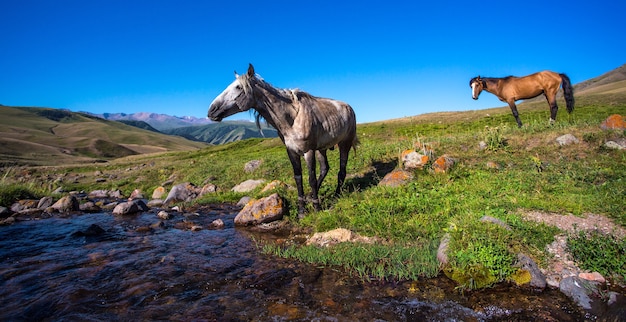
{"x": 138, "y": 269}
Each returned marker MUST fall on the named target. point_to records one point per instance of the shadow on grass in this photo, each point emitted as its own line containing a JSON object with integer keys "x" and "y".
{"x": 371, "y": 178}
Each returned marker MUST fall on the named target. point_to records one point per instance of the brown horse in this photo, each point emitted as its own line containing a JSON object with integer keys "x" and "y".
{"x": 307, "y": 125}
{"x": 511, "y": 89}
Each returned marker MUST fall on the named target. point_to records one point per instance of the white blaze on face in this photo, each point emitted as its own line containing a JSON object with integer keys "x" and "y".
{"x": 474, "y": 89}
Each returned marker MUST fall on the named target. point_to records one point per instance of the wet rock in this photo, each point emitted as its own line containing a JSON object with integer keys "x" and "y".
{"x": 396, "y": 178}
{"x": 413, "y": 160}
{"x": 614, "y": 122}
{"x": 567, "y": 139}
{"x": 109, "y": 206}
{"x": 24, "y": 204}
{"x": 163, "y": 215}
{"x": 92, "y": 230}
{"x": 243, "y": 201}
{"x": 248, "y": 185}
{"x": 98, "y": 194}
{"x": 443, "y": 164}
{"x": 7, "y": 221}
{"x": 158, "y": 192}
{"x": 158, "y": 225}
{"x": 136, "y": 194}
{"x": 155, "y": 203}
{"x": 31, "y": 213}
{"x": 66, "y": 204}
{"x": 182, "y": 192}
{"x": 130, "y": 207}
{"x": 273, "y": 280}
{"x": 537, "y": 279}
{"x": 250, "y": 166}
{"x": 116, "y": 194}
{"x": 579, "y": 290}
{"x": 260, "y": 211}
{"x": 4, "y": 212}
{"x": 90, "y": 207}
{"x": 216, "y": 224}
{"x": 45, "y": 202}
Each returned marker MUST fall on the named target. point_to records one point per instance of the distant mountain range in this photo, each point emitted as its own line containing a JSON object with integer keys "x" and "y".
{"x": 192, "y": 128}
{"x": 161, "y": 122}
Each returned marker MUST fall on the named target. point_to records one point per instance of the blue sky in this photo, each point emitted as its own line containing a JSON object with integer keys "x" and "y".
{"x": 387, "y": 59}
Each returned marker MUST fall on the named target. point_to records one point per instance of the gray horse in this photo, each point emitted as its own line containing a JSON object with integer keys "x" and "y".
{"x": 307, "y": 125}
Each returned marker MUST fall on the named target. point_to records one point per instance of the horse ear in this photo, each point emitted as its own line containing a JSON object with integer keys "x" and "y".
{"x": 236, "y": 75}
{"x": 250, "y": 70}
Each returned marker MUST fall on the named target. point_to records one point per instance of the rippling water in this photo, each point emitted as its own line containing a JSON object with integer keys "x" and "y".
{"x": 54, "y": 269}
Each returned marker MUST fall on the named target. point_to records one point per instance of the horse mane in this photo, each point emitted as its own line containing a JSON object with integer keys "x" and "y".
{"x": 288, "y": 95}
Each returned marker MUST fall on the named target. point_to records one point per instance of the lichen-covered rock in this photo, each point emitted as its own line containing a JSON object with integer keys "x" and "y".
{"x": 274, "y": 184}
{"x": 260, "y": 211}
{"x": 443, "y": 164}
{"x": 614, "y": 122}
{"x": 413, "y": 160}
{"x": 158, "y": 192}
{"x": 396, "y": 178}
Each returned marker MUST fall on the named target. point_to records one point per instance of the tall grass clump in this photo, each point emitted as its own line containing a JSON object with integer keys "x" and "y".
{"x": 600, "y": 253}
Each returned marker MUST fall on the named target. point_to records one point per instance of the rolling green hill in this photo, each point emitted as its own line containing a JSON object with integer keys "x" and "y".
{"x": 224, "y": 132}
{"x": 46, "y": 136}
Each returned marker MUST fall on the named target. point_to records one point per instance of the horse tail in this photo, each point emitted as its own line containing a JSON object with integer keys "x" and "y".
{"x": 568, "y": 92}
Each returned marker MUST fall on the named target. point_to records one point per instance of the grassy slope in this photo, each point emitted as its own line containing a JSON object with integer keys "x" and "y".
{"x": 30, "y": 136}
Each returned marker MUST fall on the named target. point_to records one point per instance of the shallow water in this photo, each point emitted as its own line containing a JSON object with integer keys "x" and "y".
{"x": 51, "y": 271}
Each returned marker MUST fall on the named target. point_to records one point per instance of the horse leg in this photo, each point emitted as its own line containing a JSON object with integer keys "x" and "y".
{"x": 515, "y": 113}
{"x": 297, "y": 176}
{"x": 323, "y": 160}
{"x": 309, "y": 157}
{"x": 553, "y": 107}
{"x": 344, "y": 151}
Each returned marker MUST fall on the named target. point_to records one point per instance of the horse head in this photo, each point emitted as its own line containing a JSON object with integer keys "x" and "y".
{"x": 237, "y": 97}
{"x": 477, "y": 84}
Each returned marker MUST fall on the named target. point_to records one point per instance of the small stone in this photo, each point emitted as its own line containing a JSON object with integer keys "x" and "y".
{"x": 163, "y": 215}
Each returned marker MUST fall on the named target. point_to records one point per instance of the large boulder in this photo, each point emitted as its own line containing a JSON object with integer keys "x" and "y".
{"x": 182, "y": 192}
{"x": 130, "y": 207}
{"x": 261, "y": 211}
{"x": 67, "y": 204}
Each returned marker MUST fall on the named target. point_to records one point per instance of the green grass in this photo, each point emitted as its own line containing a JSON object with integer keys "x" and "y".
{"x": 599, "y": 253}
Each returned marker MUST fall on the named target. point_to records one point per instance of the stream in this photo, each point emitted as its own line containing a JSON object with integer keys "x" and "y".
{"x": 136, "y": 268}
